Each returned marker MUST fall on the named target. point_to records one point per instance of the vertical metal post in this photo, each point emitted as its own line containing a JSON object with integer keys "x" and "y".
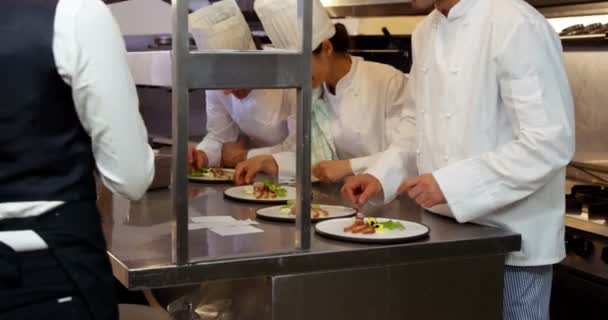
{"x": 180, "y": 132}
{"x": 303, "y": 178}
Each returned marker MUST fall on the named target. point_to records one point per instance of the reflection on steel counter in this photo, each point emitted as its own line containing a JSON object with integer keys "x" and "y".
{"x": 244, "y": 299}
{"x": 140, "y": 240}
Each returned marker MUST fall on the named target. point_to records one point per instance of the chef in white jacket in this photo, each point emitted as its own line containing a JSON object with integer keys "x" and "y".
{"x": 258, "y": 115}
{"x": 494, "y": 121}
{"x": 365, "y": 99}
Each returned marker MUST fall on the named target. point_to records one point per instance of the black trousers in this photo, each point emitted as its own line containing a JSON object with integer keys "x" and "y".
{"x": 70, "y": 280}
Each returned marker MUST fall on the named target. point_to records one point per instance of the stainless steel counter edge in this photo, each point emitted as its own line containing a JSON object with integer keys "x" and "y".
{"x": 304, "y": 262}
{"x": 586, "y": 226}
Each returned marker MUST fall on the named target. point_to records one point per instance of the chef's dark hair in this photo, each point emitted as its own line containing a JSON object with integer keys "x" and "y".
{"x": 340, "y": 41}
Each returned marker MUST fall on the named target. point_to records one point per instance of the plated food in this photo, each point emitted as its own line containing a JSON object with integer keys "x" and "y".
{"x": 267, "y": 190}
{"x": 372, "y": 230}
{"x": 318, "y": 212}
{"x": 371, "y": 225}
{"x": 262, "y": 192}
{"x": 212, "y": 175}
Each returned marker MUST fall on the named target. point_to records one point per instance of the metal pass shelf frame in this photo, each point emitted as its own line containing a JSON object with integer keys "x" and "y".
{"x": 215, "y": 70}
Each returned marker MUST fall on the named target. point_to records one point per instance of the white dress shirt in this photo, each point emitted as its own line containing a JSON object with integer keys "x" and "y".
{"x": 261, "y": 116}
{"x": 494, "y": 122}
{"x": 367, "y": 105}
{"x": 90, "y": 57}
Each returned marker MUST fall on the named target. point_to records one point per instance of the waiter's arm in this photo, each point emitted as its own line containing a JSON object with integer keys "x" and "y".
{"x": 535, "y": 91}
{"x": 92, "y": 60}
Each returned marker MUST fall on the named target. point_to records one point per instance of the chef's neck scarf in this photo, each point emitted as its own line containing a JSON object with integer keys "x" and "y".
{"x": 322, "y": 144}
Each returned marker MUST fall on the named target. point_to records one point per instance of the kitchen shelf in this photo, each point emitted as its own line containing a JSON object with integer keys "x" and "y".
{"x": 585, "y": 40}
{"x": 254, "y": 70}
{"x": 224, "y": 69}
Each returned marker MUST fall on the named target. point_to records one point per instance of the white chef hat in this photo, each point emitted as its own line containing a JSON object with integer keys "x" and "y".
{"x": 281, "y": 23}
{"x": 220, "y": 26}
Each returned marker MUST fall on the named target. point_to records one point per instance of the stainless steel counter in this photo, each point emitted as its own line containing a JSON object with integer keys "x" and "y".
{"x": 139, "y": 241}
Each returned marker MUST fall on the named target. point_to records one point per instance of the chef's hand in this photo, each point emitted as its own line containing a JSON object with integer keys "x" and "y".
{"x": 359, "y": 189}
{"x": 332, "y": 170}
{"x": 233, "y": 153}
{"x": 424, "y": 190}
{"x": 196, "y": 159}
{"x": 247, "y": 170}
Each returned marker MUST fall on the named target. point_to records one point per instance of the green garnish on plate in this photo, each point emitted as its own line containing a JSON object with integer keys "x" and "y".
{"x": 393, "y": 225}
{"x": 275, "y": 188}
{"x": 200, "y": 173}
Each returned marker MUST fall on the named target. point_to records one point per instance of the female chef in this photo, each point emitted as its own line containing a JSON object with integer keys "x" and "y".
{"x": 364, "y": 99}
{"x": 258, "y": 115}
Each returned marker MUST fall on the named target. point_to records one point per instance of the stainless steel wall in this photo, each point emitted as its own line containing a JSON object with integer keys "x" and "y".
{"x": 155, "y": 107}
{"x": 588, "y": 75}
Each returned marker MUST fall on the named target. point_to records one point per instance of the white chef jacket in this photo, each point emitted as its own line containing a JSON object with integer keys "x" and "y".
{"x": 367, "y": 106}
{"x": 91, "y": 58}
{"x": 261, "y": 116}
{"x": 494, "y": 122}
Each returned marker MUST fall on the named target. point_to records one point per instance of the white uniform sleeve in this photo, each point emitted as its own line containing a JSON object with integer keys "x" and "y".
{"x": 399, "y": 161}
{"x": 534, "y": 90}
{"x": 359, "y": 165}
{"x": 284, "y": 154}
{"x": 396, "y": 97}
{"x": 95, "y": 65}
{"x": 221, "y": 128}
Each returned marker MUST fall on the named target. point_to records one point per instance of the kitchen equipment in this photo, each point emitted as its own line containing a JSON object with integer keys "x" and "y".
{"x": 602, "y": 29}
{"x": 387, "y": 48}
{"x": 280, "y": 213}
{"x": 589, "y": 199}
{"x": 594, "y": 28}
{"x": 581, "y": 279}
{"x": 571, "y": 30}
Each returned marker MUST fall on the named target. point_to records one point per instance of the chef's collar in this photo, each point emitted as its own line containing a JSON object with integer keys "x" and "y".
{"x": 346, "y": 81}
{"x": 460, "y": 10}
{"x": 317, "y": 93}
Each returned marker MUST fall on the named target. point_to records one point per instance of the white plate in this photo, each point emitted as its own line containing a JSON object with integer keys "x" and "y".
{"x": 212, "y": 179}
{"x": 240, "y": 193}
{"x": 274, "y": 213}
{"x": 335, "y": 229}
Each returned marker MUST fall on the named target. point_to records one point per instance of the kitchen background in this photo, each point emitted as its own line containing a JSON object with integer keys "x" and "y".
{"x": 581, "y": 281}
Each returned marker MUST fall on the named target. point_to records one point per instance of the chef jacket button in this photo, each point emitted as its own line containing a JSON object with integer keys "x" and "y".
{"x": 454, "y": 71}
{"x": 418, "y": 152}
{"x": 425, "y": 70}
{"x": 448, "y": 115}
{"x": 446, "y": 158}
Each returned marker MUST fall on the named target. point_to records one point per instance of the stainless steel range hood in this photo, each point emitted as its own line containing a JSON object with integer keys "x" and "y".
{"x": 366, "y": 8}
